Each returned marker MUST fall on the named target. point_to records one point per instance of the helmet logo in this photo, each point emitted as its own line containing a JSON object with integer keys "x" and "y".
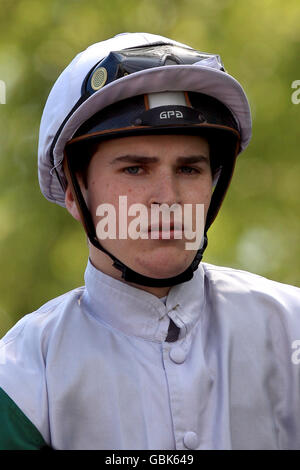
{"x": 99, "y": 78}
{"x": 169, "y": 114}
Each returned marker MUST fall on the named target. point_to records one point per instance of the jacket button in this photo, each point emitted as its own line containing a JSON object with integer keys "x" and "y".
{"x": 191, "y": 440}
{"x": 177, "y": 355}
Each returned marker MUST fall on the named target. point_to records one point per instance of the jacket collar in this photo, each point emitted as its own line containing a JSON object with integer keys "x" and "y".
{"x": 137, "y": 312}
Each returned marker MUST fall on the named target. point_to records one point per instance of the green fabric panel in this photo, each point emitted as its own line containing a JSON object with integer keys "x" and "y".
{"x": 16, "y": 431}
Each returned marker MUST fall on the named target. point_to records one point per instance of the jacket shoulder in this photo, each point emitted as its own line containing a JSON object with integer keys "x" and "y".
{"x": 253, "y": 293}
{"x": 236, "y": 278}
{"x": 23, "y": 372}
{"x": 48, "y": 313}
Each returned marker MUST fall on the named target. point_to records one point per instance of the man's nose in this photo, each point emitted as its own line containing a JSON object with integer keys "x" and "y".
{"x": 165, "y": 190}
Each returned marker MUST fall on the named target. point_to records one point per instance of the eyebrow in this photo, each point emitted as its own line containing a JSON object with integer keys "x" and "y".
{"x": 144, "y": 159}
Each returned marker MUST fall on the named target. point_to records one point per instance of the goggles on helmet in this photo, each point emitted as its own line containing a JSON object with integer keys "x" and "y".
{"x": 121, "y": 63}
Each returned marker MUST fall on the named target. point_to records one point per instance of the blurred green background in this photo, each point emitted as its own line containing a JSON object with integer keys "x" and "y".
{"x": 43, "y": 251}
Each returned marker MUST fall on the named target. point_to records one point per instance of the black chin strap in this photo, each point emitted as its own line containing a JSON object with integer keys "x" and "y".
{"x": 128, "y": 274}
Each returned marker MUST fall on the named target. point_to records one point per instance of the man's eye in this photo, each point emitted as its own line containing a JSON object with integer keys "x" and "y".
{"x": 132, "y": 170}
{"x": 189, "y": 170}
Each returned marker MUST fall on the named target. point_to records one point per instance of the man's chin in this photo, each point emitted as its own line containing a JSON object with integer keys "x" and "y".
{"x": 163, "y": 267}
{"x": 159, "y": 263}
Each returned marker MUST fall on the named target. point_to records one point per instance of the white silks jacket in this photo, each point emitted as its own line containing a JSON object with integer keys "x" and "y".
{"x": 92, "y": 368}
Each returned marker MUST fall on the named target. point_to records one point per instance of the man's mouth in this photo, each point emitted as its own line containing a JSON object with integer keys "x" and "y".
{"x": 166, "y": 231}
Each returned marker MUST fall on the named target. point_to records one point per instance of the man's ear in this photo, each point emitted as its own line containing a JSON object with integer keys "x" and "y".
{"x": 71, "y": 203}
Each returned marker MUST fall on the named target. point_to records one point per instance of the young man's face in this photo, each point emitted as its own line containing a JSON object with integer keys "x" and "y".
{"x": 154, "y": 169}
